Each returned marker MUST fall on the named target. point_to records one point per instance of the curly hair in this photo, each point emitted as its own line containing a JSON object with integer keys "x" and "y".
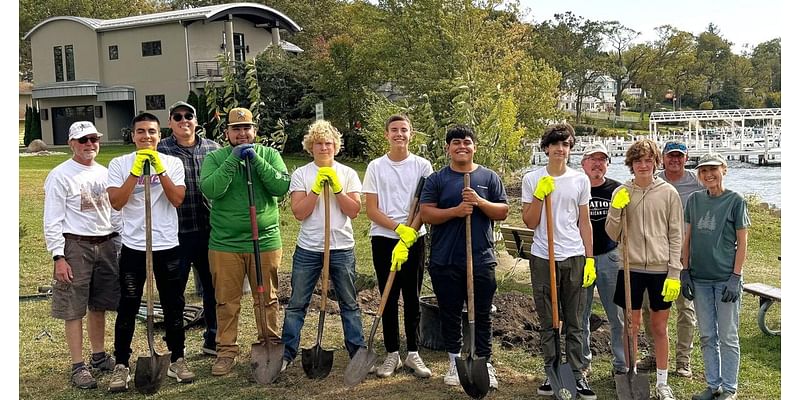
{"x": 557, "y": 133}
{"x": 641, "y": 149}
{"x": 321, "y": 130}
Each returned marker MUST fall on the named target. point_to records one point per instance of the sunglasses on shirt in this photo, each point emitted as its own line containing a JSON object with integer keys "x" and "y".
{"x": 93, "y": 139}
{"x": 180, "y": 117}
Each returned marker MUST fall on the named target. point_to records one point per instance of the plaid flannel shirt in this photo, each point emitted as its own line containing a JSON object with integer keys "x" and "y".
{"x": 193, "y": 212}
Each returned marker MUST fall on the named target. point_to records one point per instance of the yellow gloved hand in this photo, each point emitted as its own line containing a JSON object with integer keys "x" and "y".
{"x": 155, "y": 161}
{"x": 318, "y": 182}
{"x": 330, "y": 174}
{"x": 589, "y": 273}
{"x": 621, "y": 198}
{"x": 399, "y": 256}
{"x": 672, "y": 288}
{"x": 137, "y": 169}
{"x": 408, "y": 235}
{"x": 545, "y": 186}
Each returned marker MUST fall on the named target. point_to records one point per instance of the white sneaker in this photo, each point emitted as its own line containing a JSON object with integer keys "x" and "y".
{"x": 284, "y": 364}
{"x": 492, "y": 376}
{"x": 119, "y": 379}
{"x": 414, "y": 361}
{"x": 451, "y": 378}
{"x": 391, "y": 364}
{"x": 664, "y": 392}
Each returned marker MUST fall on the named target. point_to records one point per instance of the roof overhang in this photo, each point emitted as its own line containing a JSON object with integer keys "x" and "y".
{"x": 65, "y": 89}
{"x": 116, "y": 93}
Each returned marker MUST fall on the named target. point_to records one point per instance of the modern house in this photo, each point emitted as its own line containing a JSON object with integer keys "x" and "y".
{"x": 107, "y": 71}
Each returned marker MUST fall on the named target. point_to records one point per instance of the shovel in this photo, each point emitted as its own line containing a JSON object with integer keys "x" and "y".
{"x": 562, "y": 380}
{"x": 150, "y": 370}
{"x": 317, "y": 362}
{"x": 365, "y": 357}
{"x": 266, "y": 356}
{"x": 630, "y": 386}
{"x": 473, "y": 373}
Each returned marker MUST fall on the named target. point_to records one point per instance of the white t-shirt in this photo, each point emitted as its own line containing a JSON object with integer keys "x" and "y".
{"x": 312, "y": 228}
{"x": 572, "y": 190}
{"x": 76, "y": 202}
{"x": 164, "y": 214}
{"x": 394, "y": 182}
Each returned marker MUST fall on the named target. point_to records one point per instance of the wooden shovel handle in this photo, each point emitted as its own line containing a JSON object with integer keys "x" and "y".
{"x": 551, "y": 253}
{"x": 468, "y": 250}
{"x": 627, "y": 276}
{"x": 326, "y": 252}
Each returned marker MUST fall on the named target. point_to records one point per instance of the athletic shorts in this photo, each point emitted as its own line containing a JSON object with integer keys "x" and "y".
{"x": 95, "y": 279}
{"x": 640, "y": 281}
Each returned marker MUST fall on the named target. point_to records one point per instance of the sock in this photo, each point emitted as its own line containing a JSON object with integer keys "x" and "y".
{"x": 77, "y": 366}
{"x": 98, "y": 356}
{"x": 661, "y": 377}
{"x": 453, "y": 357}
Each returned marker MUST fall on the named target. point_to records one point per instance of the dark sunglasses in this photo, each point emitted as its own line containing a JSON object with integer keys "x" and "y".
{"x": 179, "y": 117}
{"x": 93, "y": 139}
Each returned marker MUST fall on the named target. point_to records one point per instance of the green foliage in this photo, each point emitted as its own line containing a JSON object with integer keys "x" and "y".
{"x": 773, "y": 99}
{"x": 707, "y": 105}
{"x": 36, "y": 124}
{"x": 26, "y": 140}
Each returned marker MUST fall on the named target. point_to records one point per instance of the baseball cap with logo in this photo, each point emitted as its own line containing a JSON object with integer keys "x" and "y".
{"x": 82, "y": 128}
{"x": 595, "y": 148}
{"x": 674, "y": 145}
{"x": 711, "y": 159}
{"x": 240, "y": 116}
{"x": 179, "y": 104}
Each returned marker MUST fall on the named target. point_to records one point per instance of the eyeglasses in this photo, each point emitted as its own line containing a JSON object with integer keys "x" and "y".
{"x": 93, "y": 139}
{"x": 180, "y": 117}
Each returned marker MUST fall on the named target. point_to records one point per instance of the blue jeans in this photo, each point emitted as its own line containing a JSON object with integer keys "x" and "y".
{"x": 306, "y": 270}
{"x": 719, "y": 334}
{"x": 606, "y": 265}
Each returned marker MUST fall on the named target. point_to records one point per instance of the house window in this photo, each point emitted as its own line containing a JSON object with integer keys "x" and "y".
{"x": 58, "y": 62}
{"x": 154, "y": 102}
{"x": 70, "y": 57}
{"x": 113, "y": 52}
{"x": 151, "y": 48}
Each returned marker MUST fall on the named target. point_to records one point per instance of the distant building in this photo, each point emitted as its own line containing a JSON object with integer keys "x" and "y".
{"x": 107, "y": 71}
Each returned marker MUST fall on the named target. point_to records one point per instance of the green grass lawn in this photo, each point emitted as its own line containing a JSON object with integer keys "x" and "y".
{"x": 43, "y": 363}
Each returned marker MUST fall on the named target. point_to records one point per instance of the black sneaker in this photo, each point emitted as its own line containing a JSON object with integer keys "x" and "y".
{"x": 584, "y": 391}
{"x": 545, "y": 389}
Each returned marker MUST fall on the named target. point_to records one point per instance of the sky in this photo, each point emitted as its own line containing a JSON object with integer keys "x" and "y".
{"x": 739, "y": 21}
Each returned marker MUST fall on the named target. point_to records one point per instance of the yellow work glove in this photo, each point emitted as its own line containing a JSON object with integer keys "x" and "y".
{"x": 545, "y": 186}
{"x": 318, "y": 182}
{"x": 399, "y": 256}
{"x": 408, "y": 235}
{"x": 155, "y": 161}
{"x": 138, "y": 164}
{"x": 621, "y": 198}
{"x": 672, "y": 288}
{"x": 589, "y": 273}
{"x": 330, "y": 174}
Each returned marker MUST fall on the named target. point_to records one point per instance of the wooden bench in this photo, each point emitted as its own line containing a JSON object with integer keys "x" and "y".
{"x": 517, "y": 240}
{"x": 767, "y": 296}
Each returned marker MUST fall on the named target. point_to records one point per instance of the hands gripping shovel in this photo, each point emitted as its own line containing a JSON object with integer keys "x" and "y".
{"x": 266, "y": 356}
{"x": 151, "y": 369}
{"x": 365, "y": 357}
{"x": 560, "y": 375}
{"x": 473, "y": 373}
{"x": 317, "y": 362}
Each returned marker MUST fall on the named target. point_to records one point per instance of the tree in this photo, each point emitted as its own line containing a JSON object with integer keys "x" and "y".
{"x": 626, "y": 59}
{"x": 26, "y": 139}
{"x": 766, "y": 59}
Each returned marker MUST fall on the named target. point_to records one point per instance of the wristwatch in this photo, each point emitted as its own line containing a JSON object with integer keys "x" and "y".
{"x": 58, "y": 257}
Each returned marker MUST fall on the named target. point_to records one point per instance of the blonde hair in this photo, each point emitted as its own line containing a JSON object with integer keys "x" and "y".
{"x": 321, "y": 130}
{"x": 642, "y": 149}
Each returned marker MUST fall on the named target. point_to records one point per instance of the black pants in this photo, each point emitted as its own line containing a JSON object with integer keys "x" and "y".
{"x": 193, "y": 250}
{"x": 170, "y": 281}
{"x": 450, "y": 286}
{"x": 409, "y": 281}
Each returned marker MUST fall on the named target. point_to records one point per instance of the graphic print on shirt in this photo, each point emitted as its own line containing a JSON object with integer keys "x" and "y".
{"x": 598, "y": 208}
{"x": 94, "y": 197}
{"x": 707, "y": 223}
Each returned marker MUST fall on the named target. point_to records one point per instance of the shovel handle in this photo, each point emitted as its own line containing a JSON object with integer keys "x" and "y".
{"x": 148, "y": 256}
{"x": 627, "y": 278}
{"x": 468, "y": 250}
{"x": 551, "y": 253}
{"x": 326, "y": 259}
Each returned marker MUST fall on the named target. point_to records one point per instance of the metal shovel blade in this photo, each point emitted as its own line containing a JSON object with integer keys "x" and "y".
{"x": 473, "y": 374}
{"x": 359, "y": 366}
{"x": 150, "y": 372}
{"x": 632, "y": 386}
{"x": 266, "y": 360}
{"x": 317, "y": 362}
{"x": 562, "y": 380}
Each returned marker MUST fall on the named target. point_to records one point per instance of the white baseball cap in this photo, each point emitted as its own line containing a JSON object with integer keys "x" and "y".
{"x": 82, "y": 128}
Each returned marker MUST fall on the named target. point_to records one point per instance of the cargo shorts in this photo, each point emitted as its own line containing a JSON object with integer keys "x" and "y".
{"x": 95, "y": 281}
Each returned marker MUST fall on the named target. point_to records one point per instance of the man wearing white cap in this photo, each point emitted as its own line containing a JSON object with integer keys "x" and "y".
{"x": 595, "y": 164}
{"x": 78, "y": 230}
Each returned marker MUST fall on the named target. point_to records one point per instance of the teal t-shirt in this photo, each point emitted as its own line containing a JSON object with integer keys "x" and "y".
{"x": 714, "y": 222}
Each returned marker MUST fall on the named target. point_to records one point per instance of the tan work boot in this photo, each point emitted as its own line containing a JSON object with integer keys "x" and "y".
{"x": 223, "y": 366}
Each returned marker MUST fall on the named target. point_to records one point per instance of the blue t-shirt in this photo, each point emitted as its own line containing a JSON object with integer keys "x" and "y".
{"x": 448, "y": 240}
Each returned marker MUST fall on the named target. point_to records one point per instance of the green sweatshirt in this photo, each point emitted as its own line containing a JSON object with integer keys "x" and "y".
{"x": 223, "y": 180}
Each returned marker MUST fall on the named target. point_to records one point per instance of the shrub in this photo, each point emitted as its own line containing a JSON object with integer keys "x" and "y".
{"x": 706, "y": 105}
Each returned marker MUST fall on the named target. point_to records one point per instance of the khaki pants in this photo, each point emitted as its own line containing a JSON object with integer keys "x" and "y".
{"x": 227, "y": 273}
{"x": 685, "y": 324}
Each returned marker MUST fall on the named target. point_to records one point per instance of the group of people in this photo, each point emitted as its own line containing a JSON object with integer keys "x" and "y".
{"x": 95, "y": 229}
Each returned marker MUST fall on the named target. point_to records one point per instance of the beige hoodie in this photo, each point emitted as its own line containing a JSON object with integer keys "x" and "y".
{"x": 655, "y": 226}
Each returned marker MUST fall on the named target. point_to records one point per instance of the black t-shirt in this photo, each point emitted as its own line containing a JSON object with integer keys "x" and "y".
{"x": 598, "y": 211}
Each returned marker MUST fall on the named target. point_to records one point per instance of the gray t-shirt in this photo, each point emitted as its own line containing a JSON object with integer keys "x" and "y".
{"x": 685, "y": 186}
{"x": 714, "y": 222}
